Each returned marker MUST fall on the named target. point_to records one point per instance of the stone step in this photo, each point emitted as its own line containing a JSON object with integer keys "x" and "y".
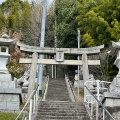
{"x": 51, "y": 93}
{"x": 57, "y": 90}
{"x": 62, "y": 117}
{"x": 59, "y": 95}
{"x": 81, "y": 112}
{"x": 60, "y": 109}
{"x": 70, "y": 111}
{"x": 64, "y": 110}
{"x": 59, "y": 103}
{"x": 57, "y": 84}
{"x": 58, "y": 98}
{"x": 61, "y": 106}
{"x": 83, "y": 118}
{"x": 61, "y": 92}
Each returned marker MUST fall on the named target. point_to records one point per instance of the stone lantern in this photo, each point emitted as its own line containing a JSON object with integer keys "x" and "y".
{"x": 6, "y": 47}
{"x": 111, "y": 98}
{"x": 10, "y": 96}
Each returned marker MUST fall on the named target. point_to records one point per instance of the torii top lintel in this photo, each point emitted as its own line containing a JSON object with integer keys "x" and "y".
{"x": 46, "y": 50}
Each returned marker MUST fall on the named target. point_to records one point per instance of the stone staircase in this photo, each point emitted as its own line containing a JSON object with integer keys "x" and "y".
{"x": 58, "y": 105}
{"x": 57, "y": 90}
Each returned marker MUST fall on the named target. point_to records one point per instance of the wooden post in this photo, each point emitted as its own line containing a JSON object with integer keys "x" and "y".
{"x": 32, "y": 73}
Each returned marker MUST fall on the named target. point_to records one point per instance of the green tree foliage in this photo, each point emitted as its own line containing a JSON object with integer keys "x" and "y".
{"x": 50, "y": 27}
{"x": 66, "y": 25}
{"x": 17, "y": 16}
{"x": 16, "y": 69}
{"x": 35, "y": 24}
{"x": 99, "y": 21}
{"x": 26, "y": 22}
{"x": 2, "y": 20}
{"x": 11, "y": 10}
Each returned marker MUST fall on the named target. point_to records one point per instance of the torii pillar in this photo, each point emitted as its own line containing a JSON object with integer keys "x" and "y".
{"x": 85, "y": 67}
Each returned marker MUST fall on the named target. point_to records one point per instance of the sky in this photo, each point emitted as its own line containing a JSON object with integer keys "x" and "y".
{"x": 48, "y": 1}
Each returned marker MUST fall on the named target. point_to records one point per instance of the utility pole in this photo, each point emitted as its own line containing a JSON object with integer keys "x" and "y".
{"x": 40, "y": 67}
{"x": 78, "y": 65}
{"x": 55, "y": 45}
{"x": 55, "y": 41}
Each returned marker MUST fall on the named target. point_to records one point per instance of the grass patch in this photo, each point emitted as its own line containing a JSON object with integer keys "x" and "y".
{"x": 9, "y": 116}
{"x": 26, "y": 108}
{"x": 81, "y": 94}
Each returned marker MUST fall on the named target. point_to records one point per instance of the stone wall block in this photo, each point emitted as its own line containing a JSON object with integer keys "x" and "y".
{"x": 12, "y": 106}
{"x": 5, "y": 77}
{"x": 14, "y": 98}
{"x": 3, "y": 105}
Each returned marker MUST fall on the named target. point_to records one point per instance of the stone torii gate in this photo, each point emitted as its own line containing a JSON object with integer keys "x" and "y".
{"x": 60, "y": 52}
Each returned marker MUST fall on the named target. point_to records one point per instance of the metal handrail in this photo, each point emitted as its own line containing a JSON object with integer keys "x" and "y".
{"x": 28, "y": 100}
{"x": 100, "y": 103}
{"x": 24, "y": 117}
{"x": 96, "y": 86}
